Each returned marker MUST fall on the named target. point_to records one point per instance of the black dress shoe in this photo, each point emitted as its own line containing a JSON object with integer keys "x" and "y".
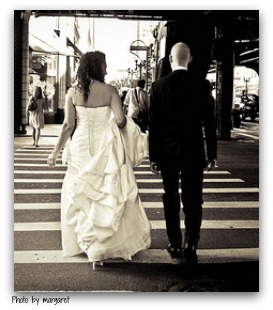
{"x": 174, "y": 252}
{"x": 190, "y": 253}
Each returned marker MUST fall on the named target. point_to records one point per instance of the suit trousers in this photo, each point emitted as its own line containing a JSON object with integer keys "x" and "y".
{"x": 191, "y": 184}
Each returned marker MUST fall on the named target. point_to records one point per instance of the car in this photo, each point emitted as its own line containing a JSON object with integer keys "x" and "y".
{"x": 237, "y": 110}
{"x": 238, "y": 104}
{"x": 251, "y": 107}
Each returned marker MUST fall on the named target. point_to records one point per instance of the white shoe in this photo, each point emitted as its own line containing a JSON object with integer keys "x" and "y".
{"x": 100, "y": 263}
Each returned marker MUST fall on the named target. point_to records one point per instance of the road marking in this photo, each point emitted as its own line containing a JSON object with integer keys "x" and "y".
{"x": 150, "y": 256}
{"x": 30, "y": 156}
{"x": 36, "y": 165}
{"x": 59, "y": 161}
{"x": 147, "y": 205}
{"x": 54, "y": 171}
{"x": 206, "y": 190}
{"x": 41, "y": 191}
{"x": 147, "y": 256}
{"x": 46, "y": 165}
{"x": 247, "y": 135}
{"x": 33, "y": 151}
{"x": 41, "y": 172}
{"x": 254, "y": 134}
{"x": 215, "y": 224}
{"x": 138, "y": 181}
{"x": 205, "y": 181}
{"x": 28, "y": 181}
{"x": 37, "y": 206}
{"x": 246, "y": 130}
{"x": 158, "y": 224}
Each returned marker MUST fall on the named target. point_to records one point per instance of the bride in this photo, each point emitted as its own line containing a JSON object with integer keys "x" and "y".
{"x": 101, "y": 211}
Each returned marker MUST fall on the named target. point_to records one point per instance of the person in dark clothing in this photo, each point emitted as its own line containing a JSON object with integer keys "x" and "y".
{"x": 179, "y": 109}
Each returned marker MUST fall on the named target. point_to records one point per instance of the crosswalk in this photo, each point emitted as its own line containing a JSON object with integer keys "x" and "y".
{"x": 230, "y": 227}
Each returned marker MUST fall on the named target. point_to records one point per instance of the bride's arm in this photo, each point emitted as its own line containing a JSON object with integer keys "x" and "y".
{"x": 116, "y": 106}
{"x": 66, "y": 131}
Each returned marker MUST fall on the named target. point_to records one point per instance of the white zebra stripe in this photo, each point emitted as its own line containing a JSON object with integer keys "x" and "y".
{"x": 31, "y": 181}
{"x": 247, "y": 135}
{"x": 146, "y": 191}
{"x": 41, "y": 172}
{"x": 33, "y": 151}
{"x": 207, "y": 190}
{"x": 138, "y": 180}
{"x": 34, "y": 165}
{"x": 30, "y": 157}
{"x": 140, "y": 166}
{"x": 37, "y": 158}
{"x": 147, "y": 205}
{"x": 43, "y": 165}
{"x": 157, "y": 224}
{"x": 53, "y": 170}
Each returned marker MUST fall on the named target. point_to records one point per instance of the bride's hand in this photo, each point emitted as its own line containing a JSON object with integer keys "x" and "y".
{"x": 51, "y": 160}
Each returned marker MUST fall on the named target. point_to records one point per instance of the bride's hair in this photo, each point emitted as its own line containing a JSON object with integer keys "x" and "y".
{"x": 90, "y": 68}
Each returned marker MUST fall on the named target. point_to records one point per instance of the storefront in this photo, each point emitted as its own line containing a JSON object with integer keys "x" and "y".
{"x": 52, "y": 70}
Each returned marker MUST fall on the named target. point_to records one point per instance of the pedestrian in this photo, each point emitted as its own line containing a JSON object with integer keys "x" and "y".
{"x": 122, "y": 98}
{"x": 138, "y": 101}
{"x": 123, "y": 95}
{"x": 101, "y": 211}
{"x": 208, "y": 89}
{"x": 35, "y": 109}
{"x": 177, "y": 113}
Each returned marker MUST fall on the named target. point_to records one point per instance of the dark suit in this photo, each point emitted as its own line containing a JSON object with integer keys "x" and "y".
{"x": 180, "y": 107}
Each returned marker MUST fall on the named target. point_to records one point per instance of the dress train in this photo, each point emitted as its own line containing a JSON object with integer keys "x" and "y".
{"x": 102, "y": 214}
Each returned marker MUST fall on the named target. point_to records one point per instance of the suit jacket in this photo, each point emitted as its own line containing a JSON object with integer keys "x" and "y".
{"x": 180, "y": 107}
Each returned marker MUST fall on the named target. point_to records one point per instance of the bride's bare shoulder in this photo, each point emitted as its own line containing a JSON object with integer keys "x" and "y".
{"x": 111, "y": 89}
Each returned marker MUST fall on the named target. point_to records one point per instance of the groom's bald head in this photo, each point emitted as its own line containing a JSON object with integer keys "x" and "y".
{"x": 180, "y": 55}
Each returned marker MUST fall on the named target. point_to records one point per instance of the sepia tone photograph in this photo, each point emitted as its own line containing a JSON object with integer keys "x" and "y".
{"x": 136, "y": 151}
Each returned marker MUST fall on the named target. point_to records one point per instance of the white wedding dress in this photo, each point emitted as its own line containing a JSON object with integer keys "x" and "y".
{"x": 101, "y": 211}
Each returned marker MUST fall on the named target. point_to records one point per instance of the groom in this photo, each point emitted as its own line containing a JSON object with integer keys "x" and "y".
{"x": 179, "y": 107}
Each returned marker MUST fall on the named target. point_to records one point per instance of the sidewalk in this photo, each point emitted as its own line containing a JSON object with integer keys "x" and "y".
{"x": 51, "y": 131}
{"x": 49, "y": 135}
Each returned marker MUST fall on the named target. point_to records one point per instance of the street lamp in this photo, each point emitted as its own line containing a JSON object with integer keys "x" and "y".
{"x": 136, "y": 48}
{"x": 140, "y": 68}
{"x": 131, "y": 73}
{"x": 246, "y": 80}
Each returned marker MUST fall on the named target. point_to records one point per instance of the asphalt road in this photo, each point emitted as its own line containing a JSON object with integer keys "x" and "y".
{"x": 228, "y": 249}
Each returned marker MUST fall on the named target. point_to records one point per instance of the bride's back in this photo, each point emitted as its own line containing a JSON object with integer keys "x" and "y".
{"x": 100, "y": 95}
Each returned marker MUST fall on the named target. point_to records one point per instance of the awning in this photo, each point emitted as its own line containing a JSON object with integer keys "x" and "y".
{"x": 54, "y": 47}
